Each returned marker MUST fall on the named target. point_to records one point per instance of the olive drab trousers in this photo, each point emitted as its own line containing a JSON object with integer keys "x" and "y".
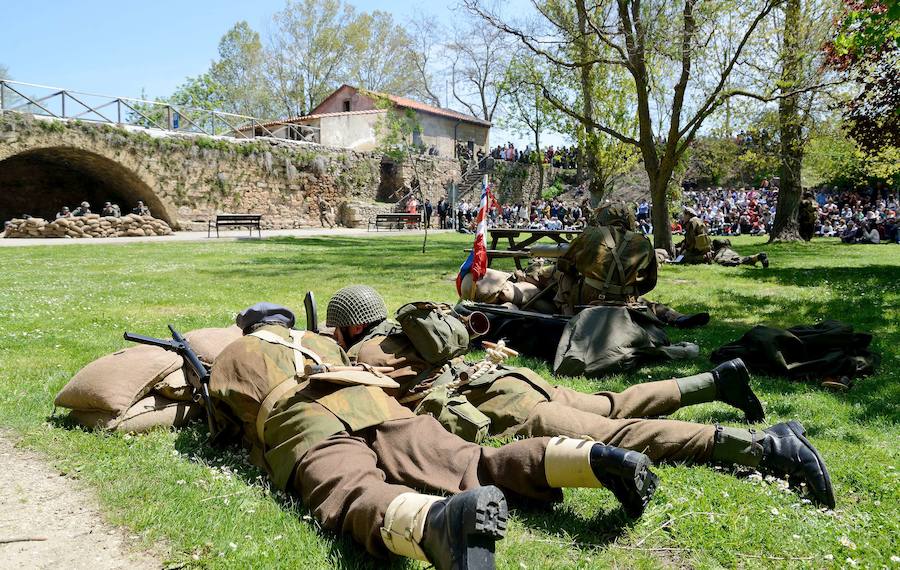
{"x": 517, "y": 408}
{"x": 349, "y": 479}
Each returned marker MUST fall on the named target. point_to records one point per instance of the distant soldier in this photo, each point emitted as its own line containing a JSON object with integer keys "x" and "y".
{"x": 82, "y": 210}
{"x": 141, "y": 209}
{"x": 807, "y": 216}
{"x": 326, "y": 215}
{"x": 696, "y": 246}
{"x": 64, "y": 213}
{"x": 727, "y": 257}
{"x": 108, "y": 210}
{"x": 612, "y": 264}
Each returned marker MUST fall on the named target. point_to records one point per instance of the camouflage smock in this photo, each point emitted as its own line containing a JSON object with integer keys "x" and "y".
{"x": 249, "y": 368}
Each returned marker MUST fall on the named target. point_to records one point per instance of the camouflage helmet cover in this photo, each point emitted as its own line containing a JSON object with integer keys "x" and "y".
{"x": 618, "y": 214}
{"x": 355, "y": 305}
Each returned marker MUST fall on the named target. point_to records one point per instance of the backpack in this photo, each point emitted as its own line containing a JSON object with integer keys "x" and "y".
{"x": 434, "y": 332}
{"x": 615, "y": 261}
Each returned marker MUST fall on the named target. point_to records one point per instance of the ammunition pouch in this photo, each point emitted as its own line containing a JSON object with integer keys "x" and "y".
{"x": 457, "y": 415}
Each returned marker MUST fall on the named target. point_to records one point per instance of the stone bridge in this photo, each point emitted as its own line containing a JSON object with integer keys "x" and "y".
{"x": 185, "y": 179}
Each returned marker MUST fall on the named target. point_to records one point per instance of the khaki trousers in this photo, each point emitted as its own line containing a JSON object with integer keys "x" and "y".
{"x": 349, "y": 479}
{"x": 615, "y": 418}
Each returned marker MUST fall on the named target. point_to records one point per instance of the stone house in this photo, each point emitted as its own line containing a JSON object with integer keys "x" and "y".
{"x": 348, "y": 117}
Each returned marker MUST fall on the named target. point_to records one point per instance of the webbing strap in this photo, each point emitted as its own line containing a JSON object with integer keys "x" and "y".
{"x": 287, "y": 387}
{"x": 610, "y": 243}
{"x": 299, "y": 350}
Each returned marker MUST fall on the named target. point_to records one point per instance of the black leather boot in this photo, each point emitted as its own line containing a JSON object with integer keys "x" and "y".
{"x": 692, "y": 321}
{"x": 733, "y": 387}
{"x": 786, "y": 451}
{"x": 627, "y": 474}
{"x": 460, "y": 531}
{"x": 764, "y": 259}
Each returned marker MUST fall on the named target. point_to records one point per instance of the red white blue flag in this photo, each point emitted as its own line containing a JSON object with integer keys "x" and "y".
{"x": 476, "y": 263}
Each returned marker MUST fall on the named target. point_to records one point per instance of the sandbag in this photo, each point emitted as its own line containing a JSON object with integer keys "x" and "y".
{"x": 146, "y": 414}
{"x": 116, "y": 381}
{"x": 175, "y": 386}
{"x": 209, "y": 342}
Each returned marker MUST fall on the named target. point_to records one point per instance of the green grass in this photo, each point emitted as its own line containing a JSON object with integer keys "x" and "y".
{"x": 61, "y": 307}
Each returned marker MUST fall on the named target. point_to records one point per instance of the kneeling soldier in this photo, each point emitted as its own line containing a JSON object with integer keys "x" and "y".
{"x": 518, "y": 401}
{"x": 356, "y": 456}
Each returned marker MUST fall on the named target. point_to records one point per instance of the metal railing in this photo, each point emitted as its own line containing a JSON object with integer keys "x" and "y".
{"x": 57, "y": 103}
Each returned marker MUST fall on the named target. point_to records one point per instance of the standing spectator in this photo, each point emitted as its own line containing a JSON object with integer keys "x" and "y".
{"x": 442, "y": 214}
{"x": 428, "y": 210}
{"x": 643, "y": 210}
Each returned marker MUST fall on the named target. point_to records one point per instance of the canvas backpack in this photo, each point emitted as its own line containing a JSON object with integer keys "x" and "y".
{"x": 435, "y": 333}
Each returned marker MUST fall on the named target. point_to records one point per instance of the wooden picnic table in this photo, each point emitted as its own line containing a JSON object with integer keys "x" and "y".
{"x": 518, "y": 249}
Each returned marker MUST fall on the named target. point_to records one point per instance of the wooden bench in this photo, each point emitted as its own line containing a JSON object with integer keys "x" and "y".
{"x": 395, "y": 221}
{"x": 235, "y": 220}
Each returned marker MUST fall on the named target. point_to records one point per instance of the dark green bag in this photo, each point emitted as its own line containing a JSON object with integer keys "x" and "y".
{"x": 436, "y": 334}
{"x": 456, "y": 414}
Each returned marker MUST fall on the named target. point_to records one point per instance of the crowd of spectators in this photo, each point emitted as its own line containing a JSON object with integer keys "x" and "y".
{"x": 858, "y": 217}
{"x": 733, "y": 212}
{"x": 562, "y": 157}
{"x": 868, "y": 216}
{"x": 541, "y": 214}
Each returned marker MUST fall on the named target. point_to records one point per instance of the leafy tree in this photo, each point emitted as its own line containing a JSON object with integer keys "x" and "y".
{"x": 381, "y": 60}
{"x": 866, "y": 48}
{"x": 308, "y": 48}
{"x": 527, "y": 113}
{"x": 238, "y": 76}
{"x": 679, "y": 57}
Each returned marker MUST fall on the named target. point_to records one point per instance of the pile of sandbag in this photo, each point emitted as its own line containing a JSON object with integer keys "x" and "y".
{"x": 89, "y": 226}
{"x": 141, "y": 387}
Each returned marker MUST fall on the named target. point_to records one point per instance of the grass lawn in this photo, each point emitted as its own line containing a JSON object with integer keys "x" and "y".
{"x": 61, "y": 307}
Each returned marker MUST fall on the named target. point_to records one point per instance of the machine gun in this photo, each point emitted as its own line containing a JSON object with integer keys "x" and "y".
{"x": 180, "y": 346}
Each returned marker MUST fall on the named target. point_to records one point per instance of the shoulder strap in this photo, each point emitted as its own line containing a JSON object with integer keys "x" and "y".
{"x": 299, "y": 350}
{"x": 268, "y": 405}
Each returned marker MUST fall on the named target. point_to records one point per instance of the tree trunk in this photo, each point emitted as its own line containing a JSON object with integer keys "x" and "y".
{"x": 540, "y": 163}
{"x": 596, "y": 187}
{"x": 785, "y": 227}
{"x": 662, "y": 227}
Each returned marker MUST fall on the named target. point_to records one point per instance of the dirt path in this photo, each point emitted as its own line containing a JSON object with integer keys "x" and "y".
{"x": 36, "y": 502}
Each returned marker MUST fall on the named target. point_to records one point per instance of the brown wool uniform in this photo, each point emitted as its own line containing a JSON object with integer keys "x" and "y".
{"x": 348, "y": 451}
{"x": 519, "y": 402}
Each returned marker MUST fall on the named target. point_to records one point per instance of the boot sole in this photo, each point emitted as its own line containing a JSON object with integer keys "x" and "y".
{"x": 798, "y": 430}
{"x": 484, "y": 523}
{"x": 635, "y": 486}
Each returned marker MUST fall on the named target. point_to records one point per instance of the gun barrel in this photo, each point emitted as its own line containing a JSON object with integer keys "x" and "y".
{"x": 548, "y": 250}
{"x": 152, "y": 341}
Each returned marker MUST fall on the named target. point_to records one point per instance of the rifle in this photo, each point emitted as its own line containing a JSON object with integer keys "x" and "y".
{"x": 180, "y": 346}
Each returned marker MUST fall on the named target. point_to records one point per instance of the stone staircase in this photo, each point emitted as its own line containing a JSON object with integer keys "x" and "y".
{"x": 470, "y": 185}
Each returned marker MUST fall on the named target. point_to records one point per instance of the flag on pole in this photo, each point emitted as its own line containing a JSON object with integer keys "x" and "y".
{"x": 476, "y": 263}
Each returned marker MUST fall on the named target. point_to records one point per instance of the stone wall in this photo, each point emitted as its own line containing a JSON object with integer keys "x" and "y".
{"x": 187, "y": 179}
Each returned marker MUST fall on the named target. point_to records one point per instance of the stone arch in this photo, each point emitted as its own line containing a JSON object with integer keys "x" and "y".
{"x": 39, "y": 181}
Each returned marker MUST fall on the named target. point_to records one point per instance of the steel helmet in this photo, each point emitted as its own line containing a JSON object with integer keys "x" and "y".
{"x": 355, "y": 305}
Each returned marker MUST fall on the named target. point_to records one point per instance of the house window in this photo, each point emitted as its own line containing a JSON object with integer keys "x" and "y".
{"x": 346, "y": 105}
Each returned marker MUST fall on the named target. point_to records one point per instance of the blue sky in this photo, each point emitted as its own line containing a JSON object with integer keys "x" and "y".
{"x": 121, "y": 48}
